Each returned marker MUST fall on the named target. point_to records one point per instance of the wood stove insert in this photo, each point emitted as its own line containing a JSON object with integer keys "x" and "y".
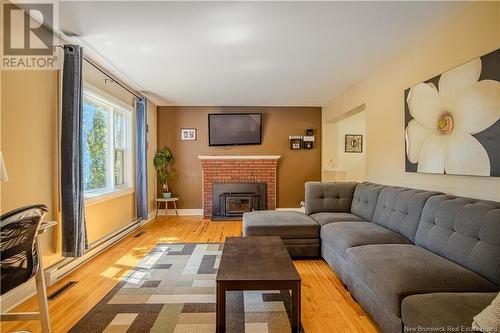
{"x": 231, "y": 201}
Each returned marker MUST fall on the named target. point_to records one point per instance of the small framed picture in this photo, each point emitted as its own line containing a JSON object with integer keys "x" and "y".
{"x": 188, "y": 134}
{"x": 353, "y": 143}
{"x": 295, "y": 142}
{"x": 308, "y": 141}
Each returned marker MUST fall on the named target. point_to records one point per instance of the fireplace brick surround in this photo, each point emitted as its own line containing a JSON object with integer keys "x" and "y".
{"x": 238, "y": 169}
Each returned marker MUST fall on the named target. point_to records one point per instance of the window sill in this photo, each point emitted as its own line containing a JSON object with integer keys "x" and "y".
{"x": 98, "y": 198}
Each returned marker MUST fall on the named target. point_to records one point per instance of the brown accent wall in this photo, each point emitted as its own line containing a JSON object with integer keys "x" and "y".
{"x": 294, "y": 167}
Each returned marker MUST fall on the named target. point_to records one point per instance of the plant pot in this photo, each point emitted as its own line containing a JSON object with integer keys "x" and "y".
{"x": 167, "y": 195}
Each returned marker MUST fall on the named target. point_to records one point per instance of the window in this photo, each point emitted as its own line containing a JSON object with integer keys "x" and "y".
{"x": 106, "y": 144}
{"x": 120, "y": 148}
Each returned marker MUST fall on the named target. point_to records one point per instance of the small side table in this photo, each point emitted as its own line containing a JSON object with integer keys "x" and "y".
{"x": 166, "y": 201}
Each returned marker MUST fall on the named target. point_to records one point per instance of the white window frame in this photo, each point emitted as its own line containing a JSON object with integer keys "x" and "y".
{"x": 113, "y": 105}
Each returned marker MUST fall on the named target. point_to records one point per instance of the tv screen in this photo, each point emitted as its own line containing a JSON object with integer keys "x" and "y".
{"x": 229, "y": 129}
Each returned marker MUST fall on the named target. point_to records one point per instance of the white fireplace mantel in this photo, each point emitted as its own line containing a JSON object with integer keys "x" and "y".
{"x": 239, "y": 157}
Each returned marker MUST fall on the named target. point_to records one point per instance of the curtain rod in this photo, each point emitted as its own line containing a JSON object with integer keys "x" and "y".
{"x": 110, "y": 77}
{"x": 105, "y": 73}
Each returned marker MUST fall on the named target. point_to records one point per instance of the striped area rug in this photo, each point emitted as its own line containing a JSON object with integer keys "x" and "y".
{"x": 173, "y": 290}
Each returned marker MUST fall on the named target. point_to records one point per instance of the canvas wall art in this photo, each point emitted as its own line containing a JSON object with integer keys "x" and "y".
{"x": 452, "y": 121}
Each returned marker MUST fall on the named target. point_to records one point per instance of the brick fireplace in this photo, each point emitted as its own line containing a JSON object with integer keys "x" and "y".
{"x": 237, "y": 170}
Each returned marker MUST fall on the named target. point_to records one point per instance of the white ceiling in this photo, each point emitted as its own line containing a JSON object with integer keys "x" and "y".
{"x": 248, "y": 53}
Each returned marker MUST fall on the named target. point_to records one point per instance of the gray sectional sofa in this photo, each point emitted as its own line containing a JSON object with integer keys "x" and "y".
{"x": 413, "y": 259}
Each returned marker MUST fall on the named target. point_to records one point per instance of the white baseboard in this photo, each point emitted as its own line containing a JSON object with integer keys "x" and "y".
{"x": 300, "y": 209}
{"x": 199, "y": 212}
{"x": 151, "y": 216}
{"x": 56, "y": 272}
{"x": 183, "y": 212}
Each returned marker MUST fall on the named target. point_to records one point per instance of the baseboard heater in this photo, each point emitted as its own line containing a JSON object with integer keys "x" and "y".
{"x": 57, "y": 271}
{"x": 64, "y": 267}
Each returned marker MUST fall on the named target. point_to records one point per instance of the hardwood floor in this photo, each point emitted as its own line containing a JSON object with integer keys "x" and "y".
{"x": 326, "y": 304}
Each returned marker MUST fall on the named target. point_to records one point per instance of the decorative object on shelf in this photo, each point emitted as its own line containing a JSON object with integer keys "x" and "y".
{"x": 452, "y": 121}
{"x": 188, "y": 134}
{"x": 295, "y": 141}
{"x": 163, "y": 162}
{"x": 332, "y": 163}
{"x": 308, "y": 139}
{"x": 299, "y": 141}
{"x": 353, "y": 143}
{"x": 308, "y": 142}
{"x": 3, "y": 170}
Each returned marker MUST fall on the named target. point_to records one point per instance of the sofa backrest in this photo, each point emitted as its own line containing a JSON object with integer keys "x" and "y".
{"x": 328, "y": 197}
{"x": 365, "y": 200}
{"x": 465, "y": 231}
{"x": 399, "y": 209}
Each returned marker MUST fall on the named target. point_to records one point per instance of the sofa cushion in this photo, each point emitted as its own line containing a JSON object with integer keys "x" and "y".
{"x": 464, "y": 230}
{"x": 326, "y": 218}
{"x": 399, "y": 209}
{"x": 394, "y": 271}
{"x": 343, "y": 235}
{"x": 436, "y": 310}
{"x": 386, "y": 320}
{"x": 335, "y": 261}
{"x": 365, "y": 200}
{"x": 286, "y": 224}
{"x": 328, "y": 197}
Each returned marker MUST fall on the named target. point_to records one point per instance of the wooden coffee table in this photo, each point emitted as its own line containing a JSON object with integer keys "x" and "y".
{"x": 256, "y": 263}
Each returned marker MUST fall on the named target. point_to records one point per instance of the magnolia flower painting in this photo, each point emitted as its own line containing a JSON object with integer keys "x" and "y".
{"x": 453, "y": 121}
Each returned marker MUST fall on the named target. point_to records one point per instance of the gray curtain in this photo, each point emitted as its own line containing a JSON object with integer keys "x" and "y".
{"x": 141, "y": 184}
{"x": 74, "y": 233}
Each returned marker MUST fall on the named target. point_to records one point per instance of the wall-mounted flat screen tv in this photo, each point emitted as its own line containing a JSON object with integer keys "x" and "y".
{"x": 230, "y": 129}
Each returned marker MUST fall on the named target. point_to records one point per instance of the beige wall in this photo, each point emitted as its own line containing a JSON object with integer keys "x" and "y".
{"x": 472, "y": 33}
{"x": 29, "y": 143}
{"x": 294, "y": 167}
{"x": 29, "y": 108}
{"x": 105, "y": 217}
{"x": 334, "y": 143}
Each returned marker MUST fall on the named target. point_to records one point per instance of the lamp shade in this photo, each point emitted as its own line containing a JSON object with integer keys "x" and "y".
{"x": 3, "y": 171}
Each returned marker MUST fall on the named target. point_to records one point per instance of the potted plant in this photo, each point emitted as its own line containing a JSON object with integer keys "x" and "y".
{"x": 163, "y": 162}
